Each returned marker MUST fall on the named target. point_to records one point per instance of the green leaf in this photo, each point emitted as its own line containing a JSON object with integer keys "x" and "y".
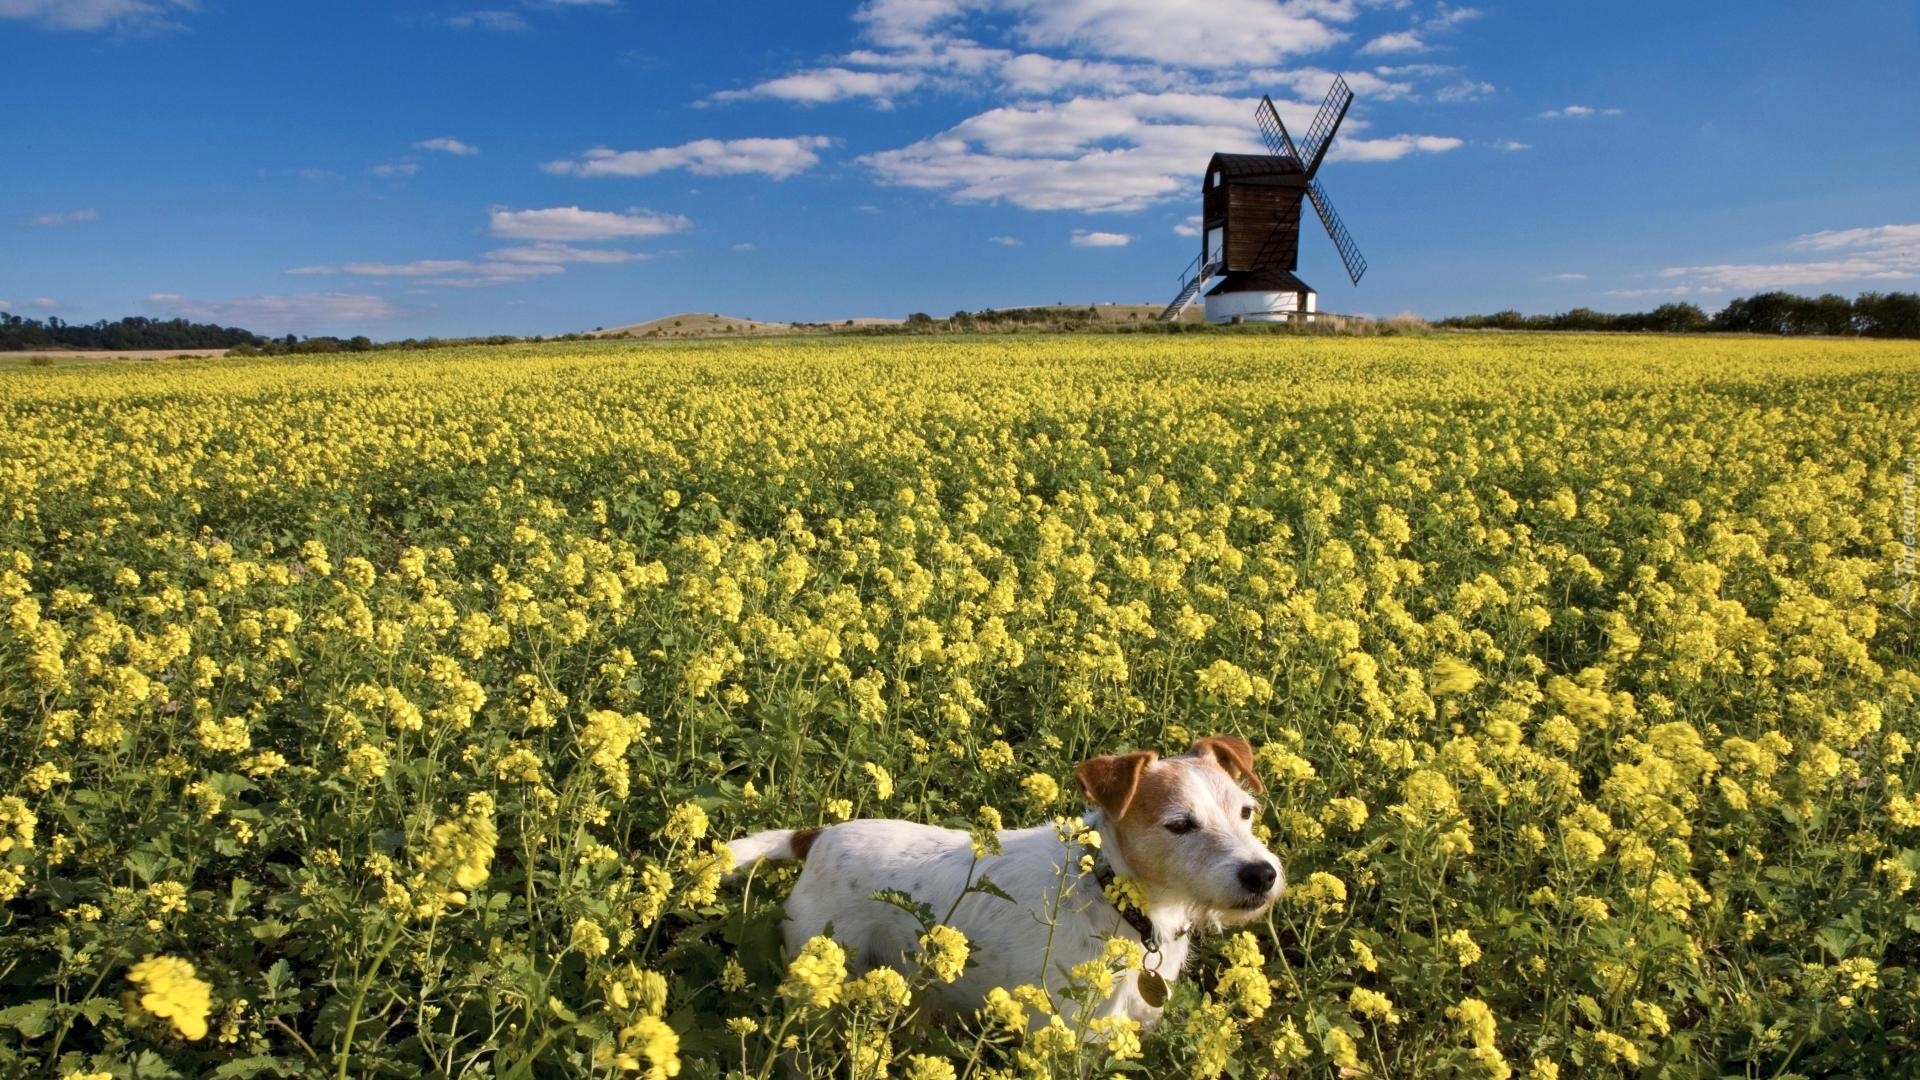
{"x": 146, "y": 864}
{"x": 986, "y": 885}
{"x": 279, "y": 978}
{"x": 94, "y": 1009}
{"x": 258, "y": 1065}
{"x": 1837, "y": 940}
{"x": 919, "y": 910}
{"x": 31, "y": 1019}
{"x": 269, "y": 930}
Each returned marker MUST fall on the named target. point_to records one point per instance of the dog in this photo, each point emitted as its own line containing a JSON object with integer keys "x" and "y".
{"x": 1181, "y": 827}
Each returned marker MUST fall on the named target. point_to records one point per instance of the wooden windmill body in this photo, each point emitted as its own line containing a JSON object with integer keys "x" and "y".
{"x": 1250, "y": 223}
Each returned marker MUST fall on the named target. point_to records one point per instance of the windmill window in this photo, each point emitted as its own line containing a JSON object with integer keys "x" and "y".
{"x": 1213, "y": 178}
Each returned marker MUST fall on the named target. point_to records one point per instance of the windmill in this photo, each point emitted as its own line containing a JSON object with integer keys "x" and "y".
{"x": 1250, "y": 222}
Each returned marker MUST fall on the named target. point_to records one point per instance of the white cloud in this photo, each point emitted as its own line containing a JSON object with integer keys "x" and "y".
{"x": 1449, "y": 17}
{"x": 1102, "y": 154}
{"x": 417, "y": 268}
{"x": 744, "y": 247}
{"x": 1566, "y": 277}
{"x": 97, "y": 14}
{"x": 564, "y": 253}
{"x": 1217, "y": 34}
{"x": 1008, "y": 241}
{"x": 1875, "y": 254}
{"x": 778, "y": 158}
{"x": 570, "y": 223}
{"x": 1036, "y": 73}
{"x": 1392, "y": 148}
{"x": 505, "y": 21}
{"x": 403, "y": 168}
{"x": 1106, "y": 105}
{"x": 304, "y": 313}
{"x": 1899, "y": 239}
{"x": 1310, "y": 83}
{"x": 1677, "y": 290}
{"x": 45, "y": 303}
{"x": 823, "y": 85}
{"x": 1577, "y": 112}
{"x": 1084, "y": 238}
{"x": 1414, "y": 71}
{"x": 1464, "y": 90}
{"x": 493, "y": 271}
{"x": 1403, "y": 42}
{"x": 448, "y": 145}
{"x": 70, "y": 217}
{"x": 1511, "y": 145}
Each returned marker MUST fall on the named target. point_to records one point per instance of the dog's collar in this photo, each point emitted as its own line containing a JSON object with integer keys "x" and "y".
{"x": 1103, "y": 876}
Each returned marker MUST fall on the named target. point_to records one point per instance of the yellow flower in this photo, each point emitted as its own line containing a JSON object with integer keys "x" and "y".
{"x": 1465, "y": 950}
{"x": 882, "y": 780}
{"x": 686, "y": 824}
{"x": 588, "y": 939}
{"x": 922, "y": 1067}
{"x": 169, "y": 989}
{"x": 648, "y": 1047}
{"x": 1372, "y": 1005}
{"x": 814, "y": 977}
{"x": 1450, "y": 676}
{"x": 1003, "y": 1010}
{"x": 882, "y": 990}
{"x": 1040, "y": 789}
{"x": 944, "y": 951}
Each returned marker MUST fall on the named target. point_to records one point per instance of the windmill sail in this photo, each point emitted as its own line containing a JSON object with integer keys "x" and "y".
{"x": 1273, "y": 131}
{"x": 1342, "y": 241}
{"x": 1325, "y": 123}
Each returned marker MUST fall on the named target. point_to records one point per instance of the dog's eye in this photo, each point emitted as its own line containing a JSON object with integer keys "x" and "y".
{"x": 1246, "y": 813}
{"x": 1181, "y": 825}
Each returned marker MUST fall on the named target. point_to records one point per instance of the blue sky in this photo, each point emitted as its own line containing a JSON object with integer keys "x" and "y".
{"x": 460, "y": 167}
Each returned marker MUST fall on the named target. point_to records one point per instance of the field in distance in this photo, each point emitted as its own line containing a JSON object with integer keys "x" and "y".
{"x": 703, "y": 324}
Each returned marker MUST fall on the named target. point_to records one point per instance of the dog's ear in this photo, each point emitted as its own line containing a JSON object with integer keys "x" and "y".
{"x": 1109, "y": 781}
{"x": 1233, "y": 753}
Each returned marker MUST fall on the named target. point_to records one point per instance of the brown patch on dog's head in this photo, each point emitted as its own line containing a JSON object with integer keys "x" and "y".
{"x": 1232, "y": 753}
{"x": 1112, "y": 782}
{"x": 802, "y": 841}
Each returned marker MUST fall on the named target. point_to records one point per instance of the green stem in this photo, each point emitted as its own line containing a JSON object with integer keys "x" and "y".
{"x": 360, "y": 999}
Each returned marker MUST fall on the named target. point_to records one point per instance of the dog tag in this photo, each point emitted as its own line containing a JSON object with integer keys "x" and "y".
{"x": 1153, "y": 988}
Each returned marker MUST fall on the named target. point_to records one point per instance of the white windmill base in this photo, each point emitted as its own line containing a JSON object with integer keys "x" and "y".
{"x": 1256, "y": 305}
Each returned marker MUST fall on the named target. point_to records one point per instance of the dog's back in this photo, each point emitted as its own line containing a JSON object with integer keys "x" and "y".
{"x": 846, "y": 864}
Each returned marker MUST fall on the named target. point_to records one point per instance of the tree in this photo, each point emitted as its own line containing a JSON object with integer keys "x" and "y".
{"x": 1676, "y": 319}
{"x": 1888, "y": 314}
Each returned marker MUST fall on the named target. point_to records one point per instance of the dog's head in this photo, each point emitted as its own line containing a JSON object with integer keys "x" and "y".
{"x": 1184, "y": 825}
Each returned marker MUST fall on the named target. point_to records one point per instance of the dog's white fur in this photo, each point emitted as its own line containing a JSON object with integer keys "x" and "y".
{"x": 1192, "y": 878}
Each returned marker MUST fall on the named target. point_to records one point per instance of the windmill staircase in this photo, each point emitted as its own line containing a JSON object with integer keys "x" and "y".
{"x": 1193, "y": 279}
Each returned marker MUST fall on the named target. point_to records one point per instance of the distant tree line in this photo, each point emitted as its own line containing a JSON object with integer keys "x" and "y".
{"x": 1885, "y": 315}
{"x": 18, "y": 332}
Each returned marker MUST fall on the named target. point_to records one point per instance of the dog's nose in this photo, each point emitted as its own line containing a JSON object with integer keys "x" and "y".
{"x": 1258, "y": 877}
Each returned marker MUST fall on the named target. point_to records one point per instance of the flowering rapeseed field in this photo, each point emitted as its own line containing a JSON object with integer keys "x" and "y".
{"x": 383, "y": 716}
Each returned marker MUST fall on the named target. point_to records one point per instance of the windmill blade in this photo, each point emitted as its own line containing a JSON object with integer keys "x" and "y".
{"x": 1342, "y": 240}
{"x": 1273, "y": 131}
{"x": 1325, "y": 123}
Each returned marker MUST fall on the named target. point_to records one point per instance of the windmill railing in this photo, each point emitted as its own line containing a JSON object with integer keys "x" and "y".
{"x": 1191, "y": 269}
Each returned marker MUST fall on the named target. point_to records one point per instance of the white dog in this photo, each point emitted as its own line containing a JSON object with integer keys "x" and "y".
{"x": 1182, "y": 827}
